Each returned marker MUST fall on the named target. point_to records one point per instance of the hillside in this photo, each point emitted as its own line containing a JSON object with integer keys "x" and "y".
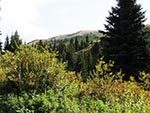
{"x": 79, "y": 34}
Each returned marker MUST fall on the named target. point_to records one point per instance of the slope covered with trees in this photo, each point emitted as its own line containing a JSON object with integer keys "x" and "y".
{"x": 80, "y": 50}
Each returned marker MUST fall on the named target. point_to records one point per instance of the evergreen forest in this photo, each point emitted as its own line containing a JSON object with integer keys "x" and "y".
{"x": 105, "y": 71}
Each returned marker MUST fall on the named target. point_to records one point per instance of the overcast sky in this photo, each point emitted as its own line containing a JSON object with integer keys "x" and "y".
{"x": 40, "y": 19}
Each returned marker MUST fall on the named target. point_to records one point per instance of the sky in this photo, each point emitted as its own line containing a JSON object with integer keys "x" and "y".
{"x": 42, "y": 19}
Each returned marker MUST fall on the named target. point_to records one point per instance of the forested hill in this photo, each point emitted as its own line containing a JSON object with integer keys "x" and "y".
{"x": 80, "y": 50}
{"x": 66, "y": 37}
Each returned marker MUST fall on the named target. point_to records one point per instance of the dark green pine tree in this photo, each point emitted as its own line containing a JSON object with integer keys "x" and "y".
{"x": 71, "y": 57}
{"x": 90, "y": 63}
{"x": 76, "y": 43}
{"x": 96, "y": 52}
{"x": 15, "y": 42}
{"x": 61, "y": 48}
{"x": 1, "y": 48}
{"x": 87, "y": 41}
{"x": 7, "y": 44}
{"x": 81, "y": 65}
{"x": 125, "y": 43}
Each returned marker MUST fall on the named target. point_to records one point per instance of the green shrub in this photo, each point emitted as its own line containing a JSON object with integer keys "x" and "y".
{"x": 30, "y": 69}
{"x": 145, "y": 80}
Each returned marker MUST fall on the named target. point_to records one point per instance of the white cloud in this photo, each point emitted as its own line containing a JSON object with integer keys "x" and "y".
{"x": 20, "y": 15}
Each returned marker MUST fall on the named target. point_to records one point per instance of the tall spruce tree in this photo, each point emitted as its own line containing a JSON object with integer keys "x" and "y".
{"x": 7, "y": 44}
{"x": 76, "y": 43}
{"x": 71, "y": 57}
{"x": 15, "y": 42}
{"x": 90, "y": 62}
{"x": 125, "y": 44}
{"x": 1, "y": 47}
{"x": 81, "y": 65}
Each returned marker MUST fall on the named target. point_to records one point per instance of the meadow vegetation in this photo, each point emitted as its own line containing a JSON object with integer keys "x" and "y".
{"x": 35, "y": 81}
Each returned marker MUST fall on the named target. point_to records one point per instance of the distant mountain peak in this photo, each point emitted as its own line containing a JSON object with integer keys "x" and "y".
{"x": 69, "y": 36}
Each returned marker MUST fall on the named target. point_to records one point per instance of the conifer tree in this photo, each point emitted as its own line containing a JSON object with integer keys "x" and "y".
{"x": 87, "y": 41}
{"x": 90, "y": 62}
{"x": 15, "y": 42}
{"x": 76, "y": 43}
{"x": 125, "y": 43}
{"x": 96, "y": 52}
{"x": 81, "y": 65}
{"x": 1, "y": 47}
{"x": 7, "y": 44}
{"x": 71, "y": 57}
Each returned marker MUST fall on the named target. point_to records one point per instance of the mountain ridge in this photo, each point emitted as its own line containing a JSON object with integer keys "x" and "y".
{"x": 80, "y": 33}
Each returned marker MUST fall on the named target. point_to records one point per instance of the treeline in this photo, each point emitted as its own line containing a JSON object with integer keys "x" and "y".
{"x": 11, "y": 43}
{"x": 81, "y": 53}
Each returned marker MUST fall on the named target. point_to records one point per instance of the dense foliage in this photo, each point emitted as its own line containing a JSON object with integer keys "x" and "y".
{"x": 29, "y": 68}
{"x": 33, "y": 80}
{"x": 81, "y": 53}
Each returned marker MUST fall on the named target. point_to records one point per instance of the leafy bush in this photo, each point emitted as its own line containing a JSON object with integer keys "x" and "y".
{"x": 60, "y": 103}
{"x": 30, "y": 69}
{"x": 145, "y": 80}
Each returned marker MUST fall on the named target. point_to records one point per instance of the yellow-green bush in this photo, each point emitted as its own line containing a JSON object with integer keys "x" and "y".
{"x": 108, "y": 85}
{"x": 29, "y": 68}
{"x": 145, "y": 80}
